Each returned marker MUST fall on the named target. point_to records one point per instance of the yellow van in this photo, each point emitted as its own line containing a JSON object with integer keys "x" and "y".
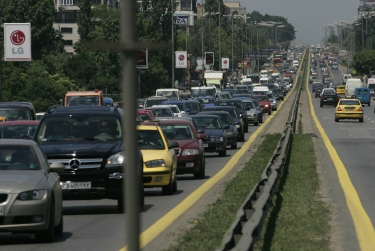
{"x": 84, "y": 98}
{"x": 341, "y": 90}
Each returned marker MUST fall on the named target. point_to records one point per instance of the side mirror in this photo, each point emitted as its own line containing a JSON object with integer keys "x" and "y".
{"x": 202, "y": 136}
{"x": 56, "y": 167}
{"x": 172, "y": 144}
{"x": 200, "y": 131}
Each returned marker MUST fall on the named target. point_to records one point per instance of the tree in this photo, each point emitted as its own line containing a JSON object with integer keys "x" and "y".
{"x": 84, "y": 17}
{"x": 332, "y": 39}
{"x": 41, "y": 14}
{"x": 364, "y": 62}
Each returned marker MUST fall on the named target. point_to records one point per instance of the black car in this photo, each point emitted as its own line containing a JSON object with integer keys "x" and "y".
{"x": 212, "y": 127}
{"x": 226, "y": 120}
{"x": 240, "y": 107}
{"x": 235, "y": 116}
{"x": 318, "y": 91}
{"x": 279, "y": 94}
{"x": 329, "y": 97}
{"x": 17, "y": 110}
{"x": 87, "y": 140}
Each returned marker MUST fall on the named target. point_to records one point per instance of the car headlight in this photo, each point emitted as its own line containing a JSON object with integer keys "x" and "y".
{"x": 155, "y": 163}
{"x": 217, "y": 138}
{"x": 229, "y": 133}
{"x": 265, "y": 105}
{"x": 251, "y": 114}
{"x": 238, "y": 126}
{"x": 32, "y": 195}
{"x": 190, "y": 152}
{"x": 116, "y": 159}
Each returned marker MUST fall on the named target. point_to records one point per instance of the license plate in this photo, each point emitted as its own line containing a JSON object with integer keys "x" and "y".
{"x": 329, "y": 98}
{"x": 349, "y": 108}
{"x": 76, "y": 185}
{"x": 1, "y": 211}
{"x": 205, "y": 145}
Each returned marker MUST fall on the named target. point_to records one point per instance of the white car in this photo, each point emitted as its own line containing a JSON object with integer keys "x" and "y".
{"x": 176, "y": 111}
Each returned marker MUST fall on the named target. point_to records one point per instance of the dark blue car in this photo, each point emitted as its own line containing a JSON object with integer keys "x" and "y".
{"x": 215, "y": 131}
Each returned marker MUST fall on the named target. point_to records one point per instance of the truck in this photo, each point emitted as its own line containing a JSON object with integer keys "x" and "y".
{"x": 203, "y": 91}
{"x": 170, "y": 93}
{"x": 350, "y": 86}
{"x": 73, "y": 98}
{"x": 215, "y": 78}
{"x": 371, "y": 85}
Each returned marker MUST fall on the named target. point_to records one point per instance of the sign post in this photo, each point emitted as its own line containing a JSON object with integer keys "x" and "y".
{"x": 181, "y": 59}
{"x": 225, "y": 63}
{"x": 17, "y": 42}
{"x": 141, "y": 63}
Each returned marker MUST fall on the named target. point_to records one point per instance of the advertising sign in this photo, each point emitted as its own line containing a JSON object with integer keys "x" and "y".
{"x": 142, "y": 59}
{"x": 181, "y": 59}
{"x": 182, "y": 20}
{"x": 17, "y": 42}
{"x": 225, "y": 63}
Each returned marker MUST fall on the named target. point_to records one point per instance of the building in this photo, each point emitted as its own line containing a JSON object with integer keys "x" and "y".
{"x": 66, "y": 16}
{"x": 366, "y": 5}
{"x": 236, "y": 6}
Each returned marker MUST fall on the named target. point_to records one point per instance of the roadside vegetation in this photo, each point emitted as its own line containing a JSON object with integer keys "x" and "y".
{"x": 206, "y": 232}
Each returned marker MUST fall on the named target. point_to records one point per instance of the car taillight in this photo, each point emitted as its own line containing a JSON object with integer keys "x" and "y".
{"x": 339, "y": 109}
{"x": 337, "y": 98}
{"x": 360, "y": 109}
{"x": 322, "y": 98}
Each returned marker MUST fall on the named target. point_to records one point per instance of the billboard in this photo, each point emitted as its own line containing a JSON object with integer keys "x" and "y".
{"x": 17, "y": 42}
{"x": 181, "y": 59}
{"x": 141, "y": 59}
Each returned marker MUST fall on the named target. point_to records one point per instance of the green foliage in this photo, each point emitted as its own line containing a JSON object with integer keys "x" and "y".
{"x": 41, "y": 14}
{"x": 332, "y": 39}
{"x": 84, "y": 17}
{"x": 364, "y": 62}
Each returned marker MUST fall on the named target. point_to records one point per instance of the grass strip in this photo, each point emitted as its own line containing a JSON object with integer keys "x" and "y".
{"x": 298, "y": 219}
{"x": 207, "y": 231}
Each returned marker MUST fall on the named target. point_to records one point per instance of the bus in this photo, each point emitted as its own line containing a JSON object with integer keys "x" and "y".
{"x": 277, "y": 62}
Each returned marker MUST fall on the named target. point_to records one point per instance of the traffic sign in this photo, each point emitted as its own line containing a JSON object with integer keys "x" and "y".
{"x": 225, "y": 63}
{"x": 142, "y": 59}
{"x": 181, "y": 59}
{"x": 17, "y": 42}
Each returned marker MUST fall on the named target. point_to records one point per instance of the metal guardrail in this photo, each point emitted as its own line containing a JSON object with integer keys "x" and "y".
{"x": 247, "y": 227}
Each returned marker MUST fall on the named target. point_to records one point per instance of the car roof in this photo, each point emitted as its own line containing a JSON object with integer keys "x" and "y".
{"x": 16, "y": 104}
{"x": 19, "y": 122}
{"x": 170, "y": 121}
{"x": 23, "y": 142}
{"x": 82, "y": 109}
{"x": 227, "y": 100}
{"x": 215, "y": 112}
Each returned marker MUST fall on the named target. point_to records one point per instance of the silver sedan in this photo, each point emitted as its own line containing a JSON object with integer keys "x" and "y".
{"x": 30, "y": 191}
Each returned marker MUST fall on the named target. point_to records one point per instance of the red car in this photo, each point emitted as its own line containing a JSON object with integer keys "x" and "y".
{"x": 146, "y": 115}
{"x": 265, "y": 102}
{"x": 190, "y": 151}
{"x": 18, "y": 129}
{"x": 288, "y": 74}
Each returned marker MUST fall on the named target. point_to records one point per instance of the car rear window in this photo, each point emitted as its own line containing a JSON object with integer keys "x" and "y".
{"x": 349, "y": 102}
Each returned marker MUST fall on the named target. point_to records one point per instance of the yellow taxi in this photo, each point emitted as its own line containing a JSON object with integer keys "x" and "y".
{"x": 159, "y": 159}
{"x": 341, "y": 90}
{"x": 349, "y": 109}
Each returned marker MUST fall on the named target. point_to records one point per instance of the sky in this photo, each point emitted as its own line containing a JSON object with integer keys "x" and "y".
{"x": 307, "y": 16}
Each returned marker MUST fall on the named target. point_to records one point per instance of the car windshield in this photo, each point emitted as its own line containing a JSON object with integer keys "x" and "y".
{"x": 261, "y": 98}
{"x": 145, "y": 117}
{"x": 151, "y": 139}
{"x": 17, "y": 157}
{"x": 193, "y": 106}
{"x": 162, "y": 112}
{"x": 249, "y": 104}
{"x": 207, "y": 123}
{"x": 225, "y": 119}
{"x": 74, "y": 127}
{"x": 238, "y": 105}
{"x": 82, "y": 100}
{"x": 17, "y": 131}
{"x": 207, "y": 100}
{"x": 15, "y": 113}
{"x": 178, "y": 132}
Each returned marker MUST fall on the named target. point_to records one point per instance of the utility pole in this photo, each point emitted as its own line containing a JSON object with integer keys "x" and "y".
{"x": 172, "y": 12}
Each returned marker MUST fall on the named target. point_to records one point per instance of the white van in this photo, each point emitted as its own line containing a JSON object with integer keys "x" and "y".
{"x": 263, "y": 72}
{"x": 371, "y": 85}
{"x": 350, "y": 86}
{"x": 260, "y": 89}
{"x": 263, "y": 81}
{"x": 295, "y": 63}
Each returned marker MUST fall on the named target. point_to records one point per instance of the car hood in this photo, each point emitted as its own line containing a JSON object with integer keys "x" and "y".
{"x": 82, "y": 149}
{"x": 213, "y": 132}
{"x": 187, "y": 143}
{"x": 16, "y": 181}
{"x": 252, "y": 111}
{"x": 153, "y": 154}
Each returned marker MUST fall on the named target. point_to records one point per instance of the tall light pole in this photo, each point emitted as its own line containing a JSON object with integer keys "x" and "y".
{"x": 172, "y": 12}
{"x": 219, "y": 11}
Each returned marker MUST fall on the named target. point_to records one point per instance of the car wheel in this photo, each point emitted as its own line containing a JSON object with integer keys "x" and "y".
{"x": 361, "y": 120}
{"x": 59, "y": 229}
{"x": 49, "y": 234}
{"x": 337, "y": 120}
{"x": 202, "y": 171}
{"x": 261, "y": 118}
{"x": 242, "y": 139}
{"x": 175, "y": 185}
{"x": 120, "y": 205}
{"x": 256, "y": 123}
{"x": 142, "y": 194}
{"x": 234, "y": 146}
{"x": 321, "y": 105}
{"x": 246, "y": 129}
{"x": 223, "y": 153}
{"x": 282, "y": 100}
{"x": 168, "y": 189}
{"x": 369, "y": 104}
{"x": 270, "y": 112}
